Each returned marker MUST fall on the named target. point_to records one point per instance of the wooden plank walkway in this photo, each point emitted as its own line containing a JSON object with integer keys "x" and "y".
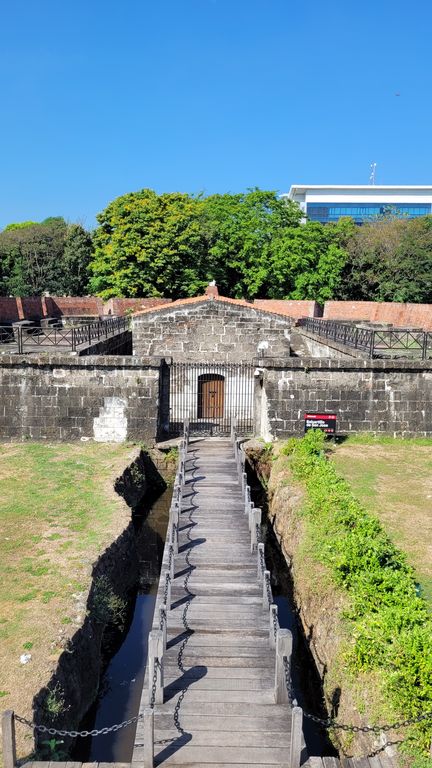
{"x": 378, "y": 761}
{"x": 219, "y": 668}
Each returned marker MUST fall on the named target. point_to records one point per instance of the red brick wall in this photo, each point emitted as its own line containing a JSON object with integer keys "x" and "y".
{"x": 295, "y": 309}
{"x": 121, "y": 306}
{"x": 34, "y": 307}
{"x": 73, "y": 305}
{"x": 9, "y": 311}
{"x": 402, "y": 315}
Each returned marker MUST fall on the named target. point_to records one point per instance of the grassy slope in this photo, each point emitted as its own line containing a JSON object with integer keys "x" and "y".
{"x": 58, "y": 511}
{"x": 393, "y": 479}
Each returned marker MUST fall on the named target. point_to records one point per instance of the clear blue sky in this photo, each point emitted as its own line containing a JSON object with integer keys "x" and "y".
{"x": 102, "y": 98}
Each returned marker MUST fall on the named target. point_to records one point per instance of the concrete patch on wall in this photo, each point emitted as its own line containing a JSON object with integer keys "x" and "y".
{"x": 111, "y": 424}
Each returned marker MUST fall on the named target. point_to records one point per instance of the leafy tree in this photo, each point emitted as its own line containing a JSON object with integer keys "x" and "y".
{"x": 307, "y": 262}
{"x": 390, "y": 260}
{"x": 78, "y": 251}
{"x": 239, "y": 230}
{"x": 173, "y": 244}
{"x": 148, "y": 245}
{"x": 48, "y": 257}
{"x": 19, "y": 225}
{"x": 33, "y": 257}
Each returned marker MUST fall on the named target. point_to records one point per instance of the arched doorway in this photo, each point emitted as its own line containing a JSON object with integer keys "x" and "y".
{"x": 211, "y": 396}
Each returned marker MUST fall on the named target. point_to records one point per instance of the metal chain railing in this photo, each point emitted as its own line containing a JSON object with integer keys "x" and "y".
{"x": 268, "y": 589}
{"x": 262, "y": 561}
{"x": 331, "y": 723}
{"x": 188, "y": 632}
{"x": 76, "y": 734}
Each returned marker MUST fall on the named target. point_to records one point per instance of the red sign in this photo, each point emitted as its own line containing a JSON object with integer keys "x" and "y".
{"x": 324, "y": 421}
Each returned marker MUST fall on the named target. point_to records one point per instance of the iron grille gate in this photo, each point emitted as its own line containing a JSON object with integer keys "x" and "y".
{"x": 211, "y": 395}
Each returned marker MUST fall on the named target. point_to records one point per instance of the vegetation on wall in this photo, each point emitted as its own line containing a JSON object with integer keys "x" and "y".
{"x": 388, "y": 621}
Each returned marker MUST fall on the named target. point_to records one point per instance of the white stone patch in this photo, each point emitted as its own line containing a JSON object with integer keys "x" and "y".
{"x": 111, "y": 424}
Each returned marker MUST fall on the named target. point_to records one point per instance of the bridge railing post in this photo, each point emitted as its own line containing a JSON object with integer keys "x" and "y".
{"x": 243, "y": 482}
{"x": 296, "y": 737}
{"x": 234, "y": 429}
{"x": 155, "y": 667}
{"x": 8, "y": 739}
{"x": 186, "y": 428}
{"x": 283, "y": 651}
{"x": 148, "y": 721}
{"x": 255, "y": 516}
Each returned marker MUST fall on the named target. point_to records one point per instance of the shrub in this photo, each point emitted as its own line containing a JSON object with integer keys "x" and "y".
{"x": 390, "y": 626}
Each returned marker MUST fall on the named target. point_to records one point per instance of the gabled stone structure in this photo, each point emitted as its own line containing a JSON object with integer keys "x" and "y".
{"x": 211, "y": 328}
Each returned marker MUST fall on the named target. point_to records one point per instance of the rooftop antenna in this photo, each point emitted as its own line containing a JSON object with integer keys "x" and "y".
{"x": 372, "y": 174}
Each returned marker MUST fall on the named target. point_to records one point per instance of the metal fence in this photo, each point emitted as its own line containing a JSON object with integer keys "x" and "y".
{"x": 25, "y": 338}
{"x": 395, "y": 342}
{"x": 211, "y": 396}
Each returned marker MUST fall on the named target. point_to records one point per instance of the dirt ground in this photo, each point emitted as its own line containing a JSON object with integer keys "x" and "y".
{"x": 58, "y": 512}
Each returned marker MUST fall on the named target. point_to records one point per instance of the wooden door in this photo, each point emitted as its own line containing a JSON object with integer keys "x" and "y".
{"x": 211, "y": 396}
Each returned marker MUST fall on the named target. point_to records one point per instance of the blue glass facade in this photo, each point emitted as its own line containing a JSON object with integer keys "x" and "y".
{"x": 362, "y": 212}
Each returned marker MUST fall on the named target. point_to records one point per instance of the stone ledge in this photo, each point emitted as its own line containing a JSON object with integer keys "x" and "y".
{"x": 88, "y": 361}
{"x": 333, "y": 364}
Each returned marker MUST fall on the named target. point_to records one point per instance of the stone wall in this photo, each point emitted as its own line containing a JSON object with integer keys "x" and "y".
{"x": 382, "y": 396}
{"x": 117, "y": 344}
{"x": 402, "y": 315}
{"x": 107, "y": 399}
{"x": 211, "y": 331}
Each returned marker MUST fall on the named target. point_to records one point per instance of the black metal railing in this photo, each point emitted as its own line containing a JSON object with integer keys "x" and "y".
{"x": 24, "y": 338}
{"x": 403, "y": 342}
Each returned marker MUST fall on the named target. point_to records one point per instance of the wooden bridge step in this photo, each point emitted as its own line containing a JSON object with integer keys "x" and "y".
{"x": 235, "y": 755}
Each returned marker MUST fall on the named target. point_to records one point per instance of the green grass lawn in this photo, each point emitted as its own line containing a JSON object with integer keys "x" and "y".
{"x": 393, "y": 479}
{"x": 58, "y": 512}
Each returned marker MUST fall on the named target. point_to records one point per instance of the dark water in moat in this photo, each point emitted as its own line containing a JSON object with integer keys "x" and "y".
{"x": 121, "y": 685}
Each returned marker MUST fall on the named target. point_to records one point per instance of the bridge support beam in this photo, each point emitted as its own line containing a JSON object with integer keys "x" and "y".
{"x": 283, "y": 649}
{"x": 148, "y": 720}
{"x": 296, "y": 737}
{"x": 8, "y": 739}
{"x": 155, "y": 666}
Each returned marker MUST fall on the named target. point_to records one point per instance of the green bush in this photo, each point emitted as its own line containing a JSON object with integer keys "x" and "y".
{"x": 390, "y": 626}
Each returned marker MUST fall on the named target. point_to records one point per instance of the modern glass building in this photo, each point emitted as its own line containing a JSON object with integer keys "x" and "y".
{"x": 363, "y": 203}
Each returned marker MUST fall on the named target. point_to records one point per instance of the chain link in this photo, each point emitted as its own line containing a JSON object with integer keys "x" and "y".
{"x": 275, "y": 625}
{"x": 76, "y": 734}
{"x": 167, "y": 580}
{"x": 262, "y": 561}
{"x": 163, "y": 618}
{"x": 331, "y": 723}
{"x": 268, "y": 589}
{"x": 157, "y": 665}
{"x": 287, "y": 672}
{"x": 258, "y": 533}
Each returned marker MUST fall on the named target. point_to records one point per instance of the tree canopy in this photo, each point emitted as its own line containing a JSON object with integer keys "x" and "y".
{"x": 254, "y": 244}
{"x": 51, "y": 256}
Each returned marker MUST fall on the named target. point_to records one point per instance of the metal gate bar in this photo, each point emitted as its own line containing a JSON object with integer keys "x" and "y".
{"x": 211, "y": 395}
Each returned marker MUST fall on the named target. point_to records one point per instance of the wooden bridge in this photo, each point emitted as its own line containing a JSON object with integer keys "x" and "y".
{"x": 220, "y": 693}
